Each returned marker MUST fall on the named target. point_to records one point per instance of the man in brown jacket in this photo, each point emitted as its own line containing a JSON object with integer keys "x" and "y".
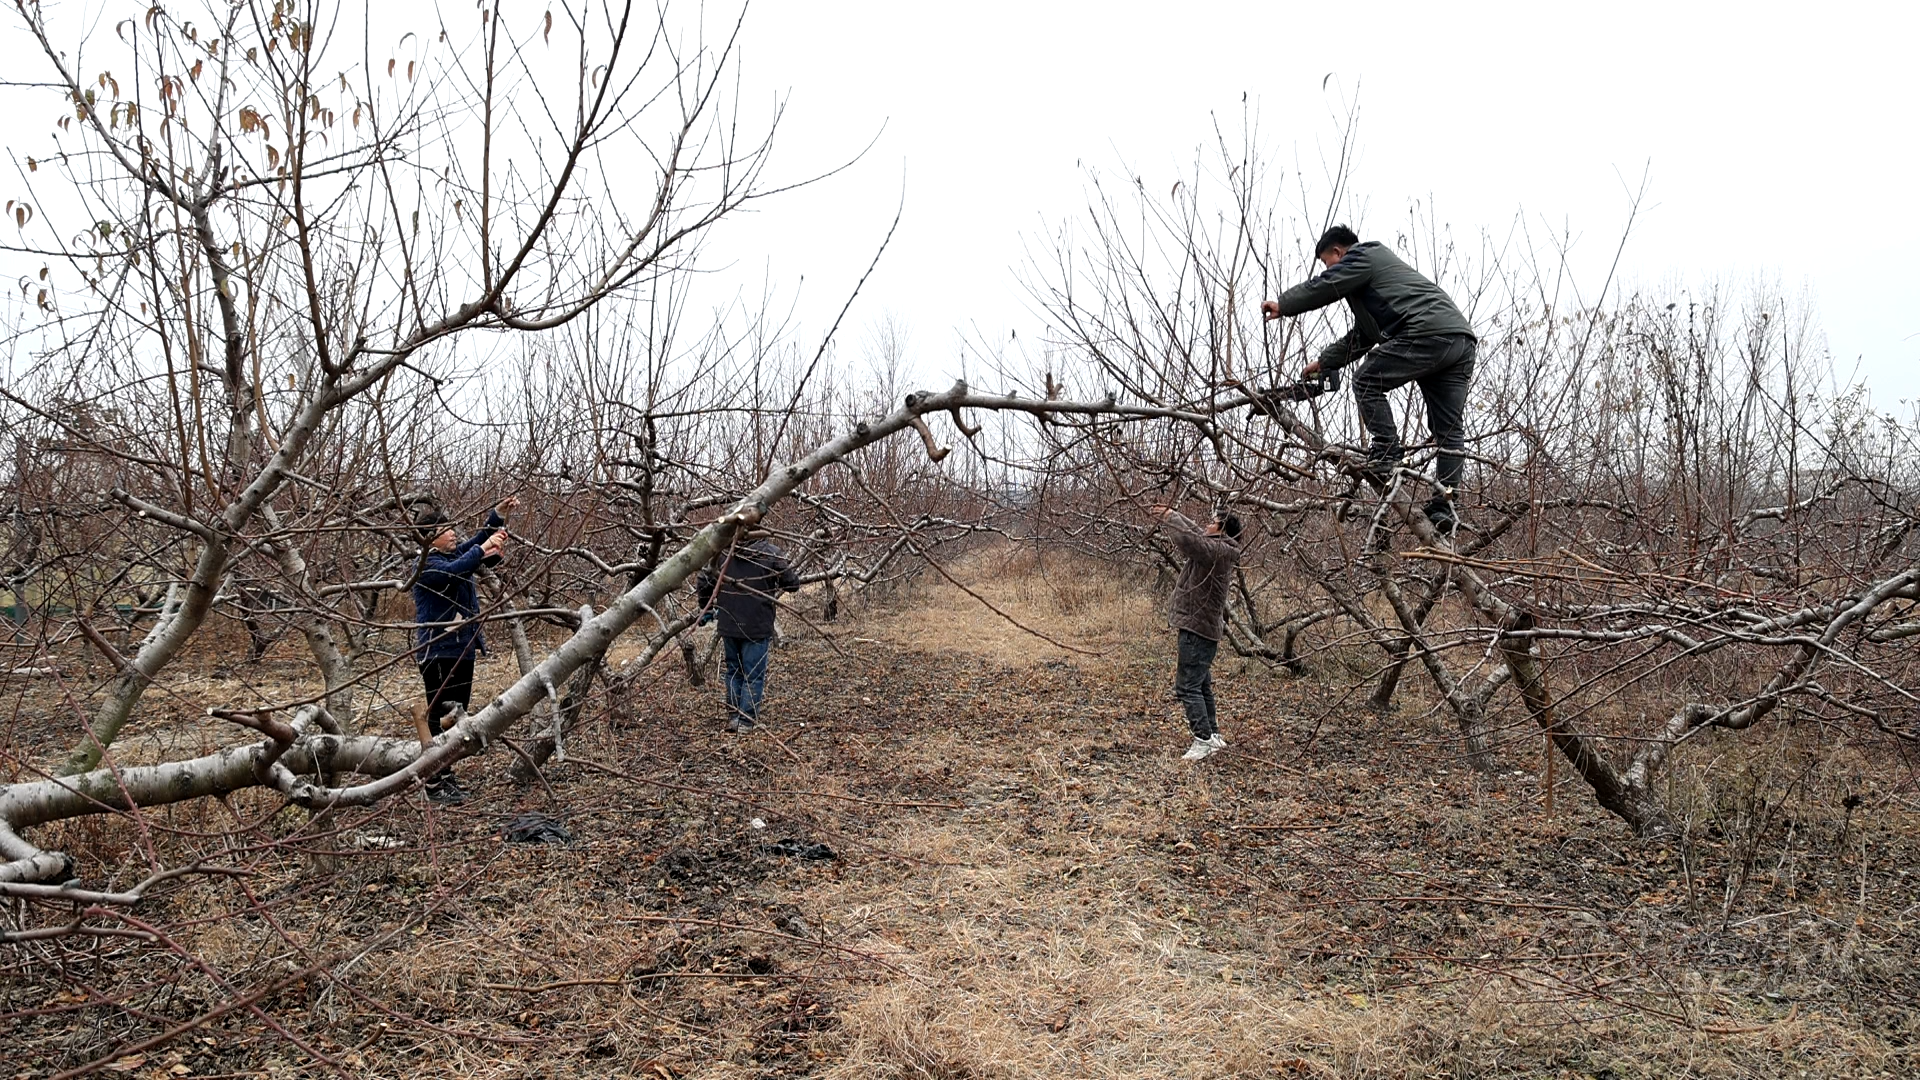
{"x": 1199, "y": 613}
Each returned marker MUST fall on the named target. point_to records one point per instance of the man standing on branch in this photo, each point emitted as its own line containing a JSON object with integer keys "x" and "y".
{"x": 1409, "y": 330}
{"x": 1199, "y": 613}
{"x": 739, "y": 589}
{"x": 446, "y": 613}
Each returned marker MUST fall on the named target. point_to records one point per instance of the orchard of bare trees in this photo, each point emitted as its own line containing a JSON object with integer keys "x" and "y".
{"x": 280, "y": 293}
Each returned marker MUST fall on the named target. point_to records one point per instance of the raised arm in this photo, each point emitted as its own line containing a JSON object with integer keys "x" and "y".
{"x": 494, "y": 523}
{"x": 1179, "y": 522}
{"x": 1337, "y": 282}
{"x": 1186, "y": 536}
{"x": 440, "y": 572}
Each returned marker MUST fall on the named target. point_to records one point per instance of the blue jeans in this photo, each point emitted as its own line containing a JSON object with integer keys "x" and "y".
{"x": 746, "y": 675}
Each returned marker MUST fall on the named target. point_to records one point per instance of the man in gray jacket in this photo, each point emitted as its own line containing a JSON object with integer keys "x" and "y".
{"x": 1199, "y": 614}
{"x": 1409, "y": 331}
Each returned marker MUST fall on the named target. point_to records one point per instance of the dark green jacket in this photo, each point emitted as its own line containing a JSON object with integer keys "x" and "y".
{"x": 1389, "y": 300}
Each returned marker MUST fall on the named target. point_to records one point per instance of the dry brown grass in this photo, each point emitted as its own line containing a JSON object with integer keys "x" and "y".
{"x": 1027, "y": 884}
{"x": 1069, "y": 600}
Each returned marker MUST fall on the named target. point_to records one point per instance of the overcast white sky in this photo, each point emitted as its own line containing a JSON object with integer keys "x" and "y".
{"x": 1780, "y": 141}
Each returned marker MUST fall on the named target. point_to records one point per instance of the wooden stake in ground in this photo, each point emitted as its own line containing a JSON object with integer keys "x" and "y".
{"x": 1548, "y": 750}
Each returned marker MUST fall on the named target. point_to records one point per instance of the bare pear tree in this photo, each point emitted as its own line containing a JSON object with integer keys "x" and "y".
{"x": 249, "y": 224}
{"x": 1670, "y": 501}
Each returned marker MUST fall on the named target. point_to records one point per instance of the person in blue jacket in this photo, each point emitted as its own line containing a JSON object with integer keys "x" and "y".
{"x": 446, "y": 606}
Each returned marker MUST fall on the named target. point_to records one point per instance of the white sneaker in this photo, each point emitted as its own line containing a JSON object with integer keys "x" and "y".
{"x": 1200, "y": 748}
{"x": 1214, "y": 740}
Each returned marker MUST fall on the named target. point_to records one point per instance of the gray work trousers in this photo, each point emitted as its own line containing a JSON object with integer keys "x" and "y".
{"x": 1443, "y": 368}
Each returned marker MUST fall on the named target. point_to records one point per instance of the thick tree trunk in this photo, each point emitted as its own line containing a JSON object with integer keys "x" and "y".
{"x": 1631, "y": 802}
{"x": 1400, "y": 651}
{"x": 104, "y": 791}
{"x": 335, "y": 667}
{"x": 1290, "y": 642}
{"x": 180, "y": 617}
{"x": 1466, "y": 706}
{"x": 171, "y": 634}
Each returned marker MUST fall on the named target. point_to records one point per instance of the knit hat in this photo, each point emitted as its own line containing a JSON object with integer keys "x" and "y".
{"x": 429, "y": 523}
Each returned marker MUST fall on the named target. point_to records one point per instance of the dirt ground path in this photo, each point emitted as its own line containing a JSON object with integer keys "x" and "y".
{"x": 956, "y": 849}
